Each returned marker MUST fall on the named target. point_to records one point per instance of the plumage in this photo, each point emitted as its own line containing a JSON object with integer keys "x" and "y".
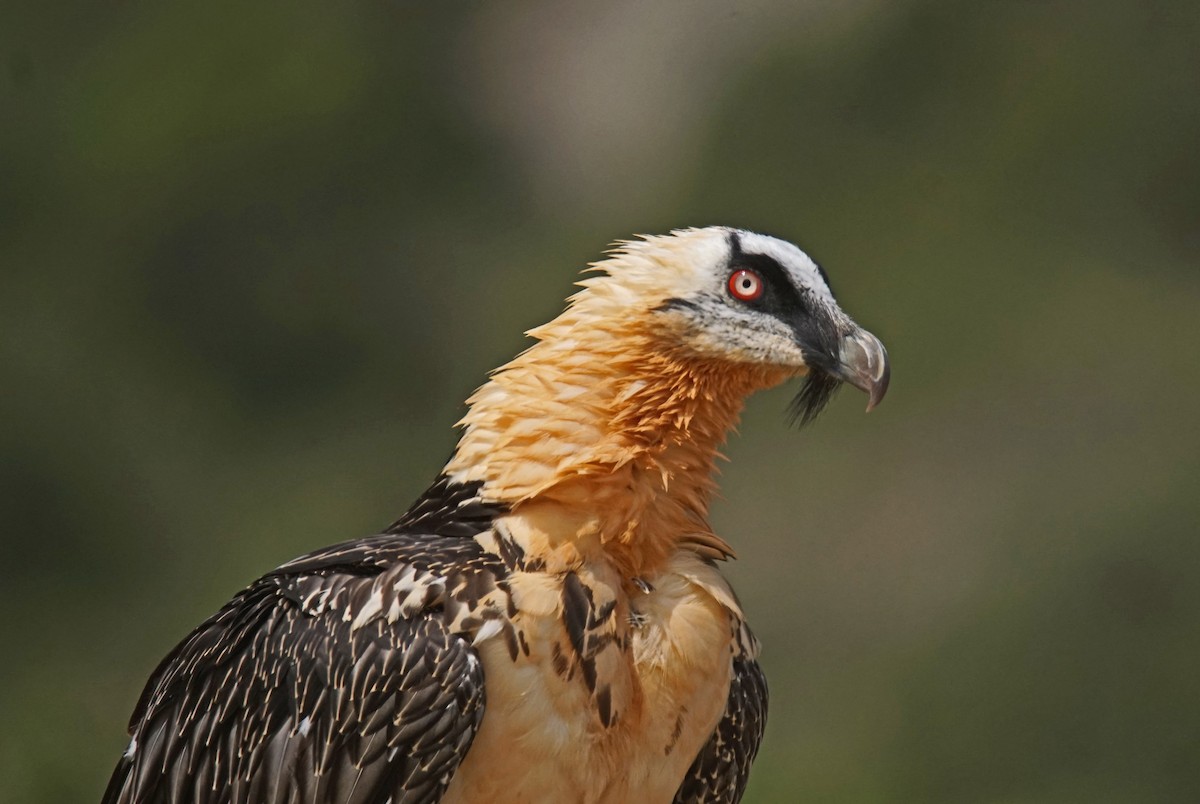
{"x": 547, "y": 622}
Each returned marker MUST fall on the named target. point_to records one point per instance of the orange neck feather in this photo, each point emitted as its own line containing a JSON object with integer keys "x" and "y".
{"x": 603, "y": 440}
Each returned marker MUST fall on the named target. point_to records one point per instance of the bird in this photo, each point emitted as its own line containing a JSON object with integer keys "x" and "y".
{"x": 548, "y": 621}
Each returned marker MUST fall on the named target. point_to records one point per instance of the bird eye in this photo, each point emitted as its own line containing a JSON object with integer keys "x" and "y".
{"x": 745, "y": 285}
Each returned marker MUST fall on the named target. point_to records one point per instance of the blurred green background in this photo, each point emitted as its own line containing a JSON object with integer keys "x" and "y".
{"x": 254, "y": 256}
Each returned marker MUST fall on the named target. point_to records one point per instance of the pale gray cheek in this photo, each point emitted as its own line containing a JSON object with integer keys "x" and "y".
{"x": 743, "y": 339}
{"x": 765, "y": 340}
{"x": 772, "y": 348}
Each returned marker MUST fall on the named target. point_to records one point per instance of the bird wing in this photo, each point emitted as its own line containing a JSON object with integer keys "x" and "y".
{"x": 345, "y": 676}
{"x": 722, "y": 767}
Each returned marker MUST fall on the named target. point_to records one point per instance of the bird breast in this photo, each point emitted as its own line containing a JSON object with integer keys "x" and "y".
{"x": 613, "y": 689}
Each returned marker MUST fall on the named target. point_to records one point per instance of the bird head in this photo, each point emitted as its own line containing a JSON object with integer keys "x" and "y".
{"x": 739, "y": 298}
{"x": 618, "y": 411}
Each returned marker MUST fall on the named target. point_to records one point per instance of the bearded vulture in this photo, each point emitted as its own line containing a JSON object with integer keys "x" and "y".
{"x": 548, "y": 622}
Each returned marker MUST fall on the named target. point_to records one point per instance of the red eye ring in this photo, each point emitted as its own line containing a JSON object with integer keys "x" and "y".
{"x": 745, "y": 285}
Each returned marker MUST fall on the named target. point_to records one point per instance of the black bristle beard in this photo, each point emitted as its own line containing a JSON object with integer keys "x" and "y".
{"x": 818, "y": 388}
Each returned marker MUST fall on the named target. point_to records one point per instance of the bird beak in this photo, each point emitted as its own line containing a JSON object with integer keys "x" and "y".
{"x": 863, "y": 362}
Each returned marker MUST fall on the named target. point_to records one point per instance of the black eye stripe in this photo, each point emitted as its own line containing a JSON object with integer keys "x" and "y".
{"x": 780, "y": 296}
{"x": 815, "y": 330}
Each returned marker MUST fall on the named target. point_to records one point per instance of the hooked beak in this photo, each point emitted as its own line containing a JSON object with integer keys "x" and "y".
{"x": 863, "y": 362}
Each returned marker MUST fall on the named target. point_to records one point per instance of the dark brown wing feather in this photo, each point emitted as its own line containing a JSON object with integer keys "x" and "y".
{"x": 289, "y": 695}
{"x": 722, "y": 767}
